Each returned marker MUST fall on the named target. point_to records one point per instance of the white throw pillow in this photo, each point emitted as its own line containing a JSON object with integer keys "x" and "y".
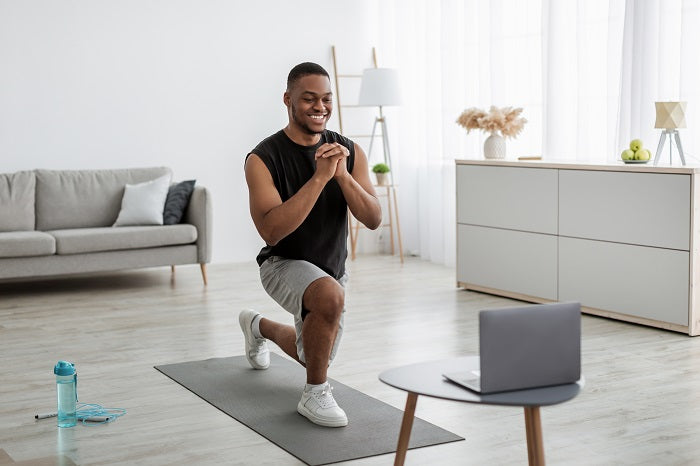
{"x": 143, "y": 203}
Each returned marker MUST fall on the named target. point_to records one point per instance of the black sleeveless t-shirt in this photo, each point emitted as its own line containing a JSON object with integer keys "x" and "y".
{"x": 322, "y": 238}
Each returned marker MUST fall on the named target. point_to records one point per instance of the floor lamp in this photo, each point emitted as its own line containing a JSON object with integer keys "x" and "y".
{"x": 380, "y": 88}
{"x": 669, "y": 117}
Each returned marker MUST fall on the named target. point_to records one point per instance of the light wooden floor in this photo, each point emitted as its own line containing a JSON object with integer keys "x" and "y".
{"x": 641, "y": 404}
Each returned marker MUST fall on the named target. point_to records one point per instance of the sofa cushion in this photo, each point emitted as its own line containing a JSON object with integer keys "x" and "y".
{"x": 85, "y": 198}
{"x": 143, "y": 203}
{"x": 83, "y": 240}
{"x": 17, "y": 201}
{"x": 175, "y": 204}
{"x": 26, "y": 244}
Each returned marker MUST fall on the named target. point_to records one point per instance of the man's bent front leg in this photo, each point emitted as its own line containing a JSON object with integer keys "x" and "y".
{"x": 324, "y": 300}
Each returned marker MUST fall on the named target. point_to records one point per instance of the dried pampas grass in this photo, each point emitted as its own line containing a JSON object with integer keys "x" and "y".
{"x": 507, "y": 120}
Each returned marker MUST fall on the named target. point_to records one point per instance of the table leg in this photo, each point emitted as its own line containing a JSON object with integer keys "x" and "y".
{"x": 533, "y": 432}
{"x": 406, "y": 426}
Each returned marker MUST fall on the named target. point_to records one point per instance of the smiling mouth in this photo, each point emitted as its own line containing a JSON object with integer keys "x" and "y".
{"x": 318, "y": 117}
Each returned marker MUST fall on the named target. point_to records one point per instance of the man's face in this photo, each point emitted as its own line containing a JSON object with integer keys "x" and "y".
{"x": 310, "y": 103}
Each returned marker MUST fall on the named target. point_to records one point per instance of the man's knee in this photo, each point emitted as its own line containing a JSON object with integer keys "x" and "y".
{"x": 325, "y": 298}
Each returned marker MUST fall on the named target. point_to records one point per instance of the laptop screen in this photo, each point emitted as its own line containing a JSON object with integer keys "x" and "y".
{"x": 530, "y": 346}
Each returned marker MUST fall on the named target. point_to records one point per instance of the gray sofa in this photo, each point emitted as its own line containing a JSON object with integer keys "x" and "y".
{"x": 55, "y": 222}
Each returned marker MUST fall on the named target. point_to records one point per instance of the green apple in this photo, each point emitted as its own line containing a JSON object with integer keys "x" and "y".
{"x": 627, "y": 154}
{"x": 636, "y": 144}
{"x": 642, "y": 154}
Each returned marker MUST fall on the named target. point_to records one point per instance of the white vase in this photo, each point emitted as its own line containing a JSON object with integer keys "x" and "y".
{"x": 495, "y": 146}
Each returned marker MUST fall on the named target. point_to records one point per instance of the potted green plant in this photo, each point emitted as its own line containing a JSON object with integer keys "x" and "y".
{"x": 381, "y": 171}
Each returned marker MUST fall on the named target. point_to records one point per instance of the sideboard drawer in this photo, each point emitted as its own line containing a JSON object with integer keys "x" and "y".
{"x": 510, "y": 260}
{"x": 651, "y": 209}
{"x": 508, "y": 197}
{"x": 636, "y": 280}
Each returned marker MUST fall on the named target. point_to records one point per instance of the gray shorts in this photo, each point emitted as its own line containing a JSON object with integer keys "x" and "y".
{"x": 286, "y": 280}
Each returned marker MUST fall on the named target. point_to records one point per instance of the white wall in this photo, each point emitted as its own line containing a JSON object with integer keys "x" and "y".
{"x": 193, "y": 85}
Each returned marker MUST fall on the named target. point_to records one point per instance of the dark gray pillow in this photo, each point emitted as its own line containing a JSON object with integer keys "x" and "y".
{"x": 176, "y": 202}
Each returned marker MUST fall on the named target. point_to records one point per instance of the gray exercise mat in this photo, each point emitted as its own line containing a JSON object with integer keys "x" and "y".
{"x": 266, "y": 401}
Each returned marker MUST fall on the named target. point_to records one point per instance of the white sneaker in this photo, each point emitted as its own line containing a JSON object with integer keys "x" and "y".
{"x": 319, "y": 407}
{"x": 255, "y": 348}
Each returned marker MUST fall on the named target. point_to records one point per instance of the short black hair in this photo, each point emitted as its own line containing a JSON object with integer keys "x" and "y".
{"x": 304, "y": 69}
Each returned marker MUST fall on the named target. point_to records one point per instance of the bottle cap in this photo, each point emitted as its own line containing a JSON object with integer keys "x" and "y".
{"x": 64, "y": 368}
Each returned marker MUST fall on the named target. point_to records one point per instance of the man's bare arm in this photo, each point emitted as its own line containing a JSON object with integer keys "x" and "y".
{"x": 358, "y": 190}
{"x": 273, "y": 218}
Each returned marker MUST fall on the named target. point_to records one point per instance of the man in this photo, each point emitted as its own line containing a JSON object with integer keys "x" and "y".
{"x": 301, "y": 182}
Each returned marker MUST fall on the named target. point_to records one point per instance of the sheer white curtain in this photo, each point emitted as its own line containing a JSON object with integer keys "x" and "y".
{"x": 660, "y": 62}
{"x": 582, "y": 48}
{"x": 586, "y": 72}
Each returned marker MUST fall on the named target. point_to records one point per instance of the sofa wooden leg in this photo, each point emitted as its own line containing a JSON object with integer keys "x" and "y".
{"x": 172, "y": 269}
{"x": 204, "y": 272}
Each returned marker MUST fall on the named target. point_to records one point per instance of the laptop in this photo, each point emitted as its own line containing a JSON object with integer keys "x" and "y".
{"x": 525, "y": 347}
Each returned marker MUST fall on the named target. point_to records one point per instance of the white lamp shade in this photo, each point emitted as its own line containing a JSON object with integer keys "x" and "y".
{"x": 380, "y": 87}
{"x": 670, "y": 115}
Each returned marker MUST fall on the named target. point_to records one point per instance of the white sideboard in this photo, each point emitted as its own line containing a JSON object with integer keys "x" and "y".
{"x": 620, "y": 239}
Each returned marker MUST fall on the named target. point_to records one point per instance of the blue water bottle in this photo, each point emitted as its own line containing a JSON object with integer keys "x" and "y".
{"x": 67, "y": 389}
